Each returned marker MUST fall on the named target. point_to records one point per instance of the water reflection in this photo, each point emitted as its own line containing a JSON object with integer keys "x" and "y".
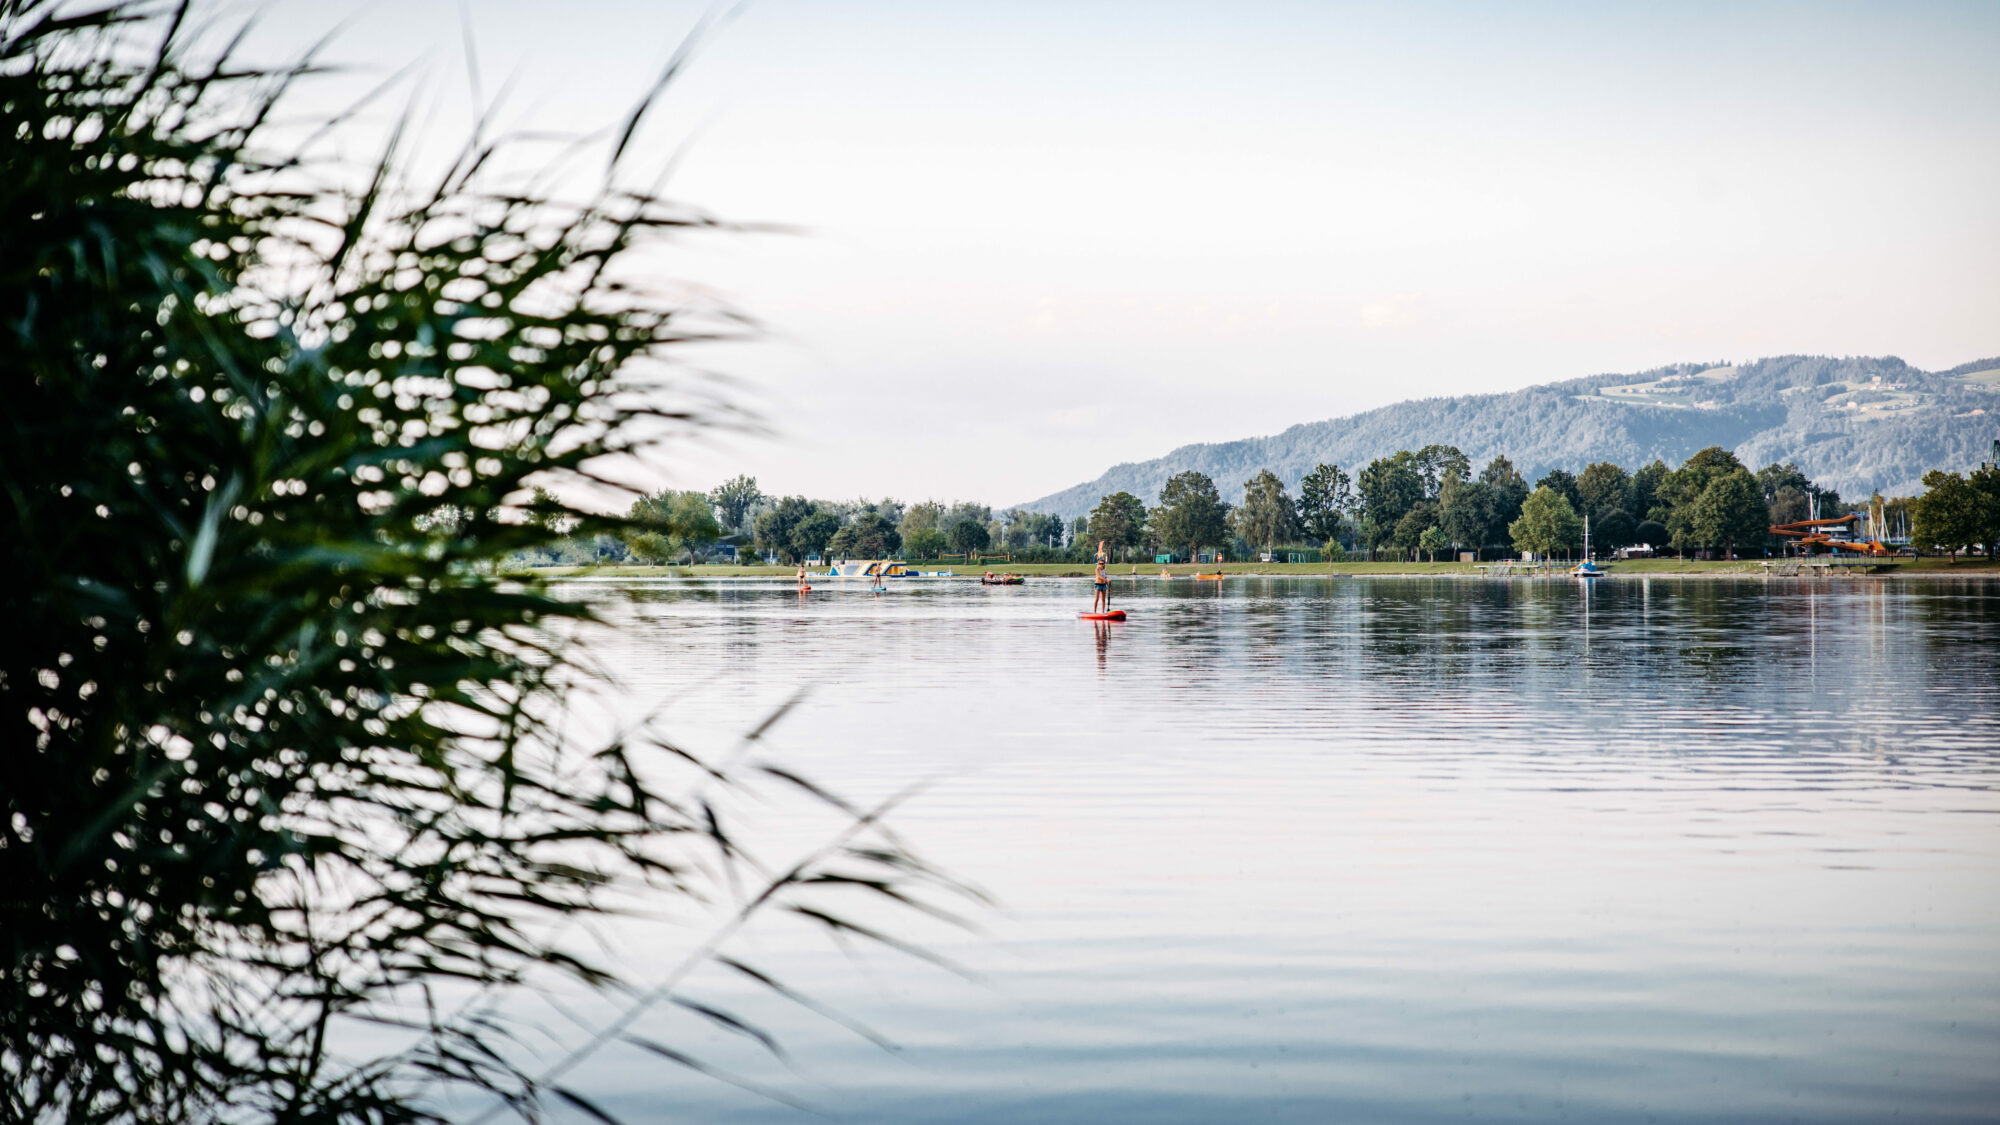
{"x": 1394, "y": 850}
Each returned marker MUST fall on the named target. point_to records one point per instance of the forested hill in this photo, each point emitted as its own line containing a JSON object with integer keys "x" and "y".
{"x": 1858, "y": 425}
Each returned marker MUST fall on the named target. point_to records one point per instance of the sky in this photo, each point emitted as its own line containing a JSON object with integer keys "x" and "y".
{"x": 1027, "y": 241}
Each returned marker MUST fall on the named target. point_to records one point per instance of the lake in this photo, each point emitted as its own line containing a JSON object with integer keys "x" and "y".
{"x": 1392, "y": 849}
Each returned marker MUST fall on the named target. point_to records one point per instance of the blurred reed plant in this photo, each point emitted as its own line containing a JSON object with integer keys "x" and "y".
{"x": 285, "y": 749}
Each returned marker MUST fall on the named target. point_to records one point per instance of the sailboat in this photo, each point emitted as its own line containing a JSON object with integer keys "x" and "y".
{"x": 1586, "y": 568}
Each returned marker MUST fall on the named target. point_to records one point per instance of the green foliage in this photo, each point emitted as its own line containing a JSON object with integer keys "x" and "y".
{"x": 969, "y": 535}
{"x": 869, "y": 535}
{"x": 1510, "y": 491}
{"x": 734, "y": 499}
{"x": 813, "y": 533}
{"x": 1954, "y": 512}
{"x": 1118, "y": 521}
{"x": 1191, "y": 514}
{"x": 1432, "y": 541}
{"x": 1389, "y": 488}
{"x": 1681, "y": 490}
{"x": 663, "y": 525}
{"x": 925, "y": 543}
{"x": 1612, "y": 530}
{"x": 1410, "y": 529}
{"x": 1436, "y": 462}
{"x": 1603, "y": 488}
{"x": 773, "y": 527}
{"x": 1026, "y": 529}
{"x": 1729, "y": 511}
{"x": 1564, "y": 483}
{"x": 1266, "y": 517}
{"x": 1547, "y": 524}
{"x": 1647, "y": 484}
{"x": 287, "y": 756}
{"x": 1325, "y": 496}
{"x": 1467, "y": 516}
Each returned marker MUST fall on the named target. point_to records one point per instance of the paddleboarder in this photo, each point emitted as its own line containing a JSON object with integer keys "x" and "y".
{"x": 1100, "y": 601}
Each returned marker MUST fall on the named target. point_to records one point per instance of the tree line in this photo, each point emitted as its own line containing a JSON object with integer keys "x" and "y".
{"x": 1416, "y": 504}
{"x": 1428, "y": 502}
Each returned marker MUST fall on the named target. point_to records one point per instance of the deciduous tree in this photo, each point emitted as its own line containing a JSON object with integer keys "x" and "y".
{"x": 734, "y": 499}
{"x": 1118, "y": 521}
{"x": 1267, "y": 516}
{"x": 1191, "y": 513}
{"x": 1325, "y": 497}
{"x": 1547, "y": 524}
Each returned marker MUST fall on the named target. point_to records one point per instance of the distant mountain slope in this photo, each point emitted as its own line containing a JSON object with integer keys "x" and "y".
{"x": 1856, "y": 424}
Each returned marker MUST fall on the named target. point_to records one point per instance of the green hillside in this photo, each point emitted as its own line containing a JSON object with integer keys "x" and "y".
{"x": 1856, "y": 424}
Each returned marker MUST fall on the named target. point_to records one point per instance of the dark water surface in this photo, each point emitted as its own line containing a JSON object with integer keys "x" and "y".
{"x": 1375, "y": 849}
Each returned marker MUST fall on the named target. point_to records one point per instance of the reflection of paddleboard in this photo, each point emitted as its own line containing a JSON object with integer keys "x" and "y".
{"x": 1114, "y": 615}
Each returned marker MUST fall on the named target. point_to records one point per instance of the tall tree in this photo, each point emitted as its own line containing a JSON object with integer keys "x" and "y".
{"x": 1325, "y": 497}
{"x": 967, "y": 536}
{"x": 1267, "y": 516}
{"x": 1947, "y": 515}
{"x": 1680, "y": 492}
{"x": 1389, "y": 488}
{"x": 1729, "y": 511}
{"x": 1645, "y": 503}
{"x": 1118, "y": 521}
{"x": 734, "y": 499}
{"x": 668, "y": 522}
{"x": 1466, "y": 515}
{"x": 813, "y": 534}
{"x": 1985, "y": 482}
{"x": 927, "y": 515}
{"x": 1409, "y": 530}
{"x": 1435, "y": 462}
{"x": 1565, "y": 483}
{"x": 1191, "y": 513}
{"x": 773, "y": 531}
{"x": 1604, "y": 488}
{"x": 1547, "y": 524}
{"x": 869, "y": 535}
{"x": 1510, "y": 490}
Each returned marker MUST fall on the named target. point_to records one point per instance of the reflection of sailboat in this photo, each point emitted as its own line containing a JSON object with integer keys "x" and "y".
{"x": 1586, "y": 568}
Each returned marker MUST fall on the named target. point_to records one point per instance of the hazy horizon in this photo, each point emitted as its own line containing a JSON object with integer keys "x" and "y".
{"x": 1038, "y": 240}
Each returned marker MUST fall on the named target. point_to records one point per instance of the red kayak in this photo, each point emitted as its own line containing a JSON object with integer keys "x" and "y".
{"x": 1114, "y": 615}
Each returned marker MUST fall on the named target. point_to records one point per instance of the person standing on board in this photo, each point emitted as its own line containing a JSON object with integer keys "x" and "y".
{"x": 802, "y": 579}
{"x": 1100, "y": 602}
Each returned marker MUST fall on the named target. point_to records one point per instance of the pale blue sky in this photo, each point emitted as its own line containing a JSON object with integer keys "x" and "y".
{"x": 1042, "y": 238}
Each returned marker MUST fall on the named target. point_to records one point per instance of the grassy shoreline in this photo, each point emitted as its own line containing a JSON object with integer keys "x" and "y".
{"x": 1644, "y": 568}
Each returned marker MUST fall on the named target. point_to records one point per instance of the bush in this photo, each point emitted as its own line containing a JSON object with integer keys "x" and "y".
{"x": 291, "y": 756}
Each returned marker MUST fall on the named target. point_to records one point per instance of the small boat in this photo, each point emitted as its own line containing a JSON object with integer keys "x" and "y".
{"x": 1216, "y": 577}
{"x": 1001, "y": 580}
{"x": 1586, "y": 568}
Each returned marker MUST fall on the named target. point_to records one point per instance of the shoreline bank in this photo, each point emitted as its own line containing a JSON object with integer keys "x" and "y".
{"x": 1639, "y": 568}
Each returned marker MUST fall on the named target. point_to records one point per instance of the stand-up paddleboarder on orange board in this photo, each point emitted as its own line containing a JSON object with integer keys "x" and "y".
{"x": 1100, "y": 600}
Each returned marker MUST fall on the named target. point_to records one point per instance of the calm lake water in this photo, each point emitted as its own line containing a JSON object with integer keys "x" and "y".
{"x": 1369, "y": 849}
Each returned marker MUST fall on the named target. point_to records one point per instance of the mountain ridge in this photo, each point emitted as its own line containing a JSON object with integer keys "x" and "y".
{"x": 1858, "y": 424}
